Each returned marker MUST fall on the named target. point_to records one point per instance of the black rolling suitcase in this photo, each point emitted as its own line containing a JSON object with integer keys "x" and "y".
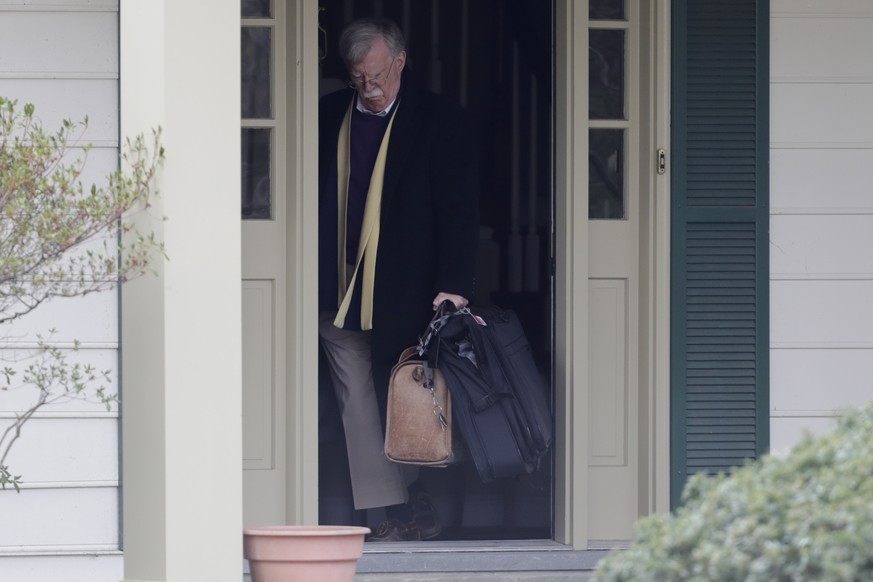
{"x": 500, "y": 400}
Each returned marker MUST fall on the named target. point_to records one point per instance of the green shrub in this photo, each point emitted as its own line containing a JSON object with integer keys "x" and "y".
{"x": 808, "y": 516}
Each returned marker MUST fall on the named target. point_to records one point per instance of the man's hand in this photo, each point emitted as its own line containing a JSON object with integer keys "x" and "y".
{"x": 457, "y": 300}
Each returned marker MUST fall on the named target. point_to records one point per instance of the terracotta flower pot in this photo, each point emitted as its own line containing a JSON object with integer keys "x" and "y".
{"x": 292, "y": 553}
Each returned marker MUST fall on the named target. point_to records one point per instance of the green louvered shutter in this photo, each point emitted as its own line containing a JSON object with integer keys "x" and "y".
{"x": 720, "y": 218}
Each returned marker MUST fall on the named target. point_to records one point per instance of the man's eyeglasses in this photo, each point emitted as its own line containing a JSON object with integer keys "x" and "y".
{"x": 357, "y": 80}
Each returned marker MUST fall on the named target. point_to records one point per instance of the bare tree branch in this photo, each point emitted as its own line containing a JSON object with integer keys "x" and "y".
{"x": 49, "y": 222}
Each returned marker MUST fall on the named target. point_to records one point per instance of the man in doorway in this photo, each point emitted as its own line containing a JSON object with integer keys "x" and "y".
{"x": 398, "y": 228}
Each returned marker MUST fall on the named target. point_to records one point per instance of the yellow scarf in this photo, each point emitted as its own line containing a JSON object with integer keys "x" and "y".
{"x": 369, "y": 231}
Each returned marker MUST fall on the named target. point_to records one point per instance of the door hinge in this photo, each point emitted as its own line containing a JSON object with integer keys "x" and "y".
{"x": 662, "y": 161}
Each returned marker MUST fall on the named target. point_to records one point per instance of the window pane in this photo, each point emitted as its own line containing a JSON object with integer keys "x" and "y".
{"x": 606, "y": 173}
{"x": 256, "y": 162}
{"x": 606, "y": 9}
{"x": 257, "y": 102}
{"x": 257, "y": 9}
{"x": 606, "y": 74}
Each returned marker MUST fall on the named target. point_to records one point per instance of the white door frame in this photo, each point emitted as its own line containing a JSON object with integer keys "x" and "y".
{"x": 571, "y": 276}
{"x": 302, "y": 262}
{"x": 572, "y": 269}
{"x": 657, "y": 494}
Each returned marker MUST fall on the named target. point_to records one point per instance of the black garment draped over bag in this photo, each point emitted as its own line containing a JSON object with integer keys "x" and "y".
{"x": 500, "y": 401}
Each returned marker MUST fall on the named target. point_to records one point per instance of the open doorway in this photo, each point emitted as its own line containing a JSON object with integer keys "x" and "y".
{"x": 495, "y": 58}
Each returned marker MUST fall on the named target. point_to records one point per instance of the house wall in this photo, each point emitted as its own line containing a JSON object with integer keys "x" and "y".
{"x": 62, "y": 56}
{"x": 821, "y": 225}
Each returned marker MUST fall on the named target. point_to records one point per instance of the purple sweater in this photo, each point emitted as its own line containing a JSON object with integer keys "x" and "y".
{"x": 366, "y": 137}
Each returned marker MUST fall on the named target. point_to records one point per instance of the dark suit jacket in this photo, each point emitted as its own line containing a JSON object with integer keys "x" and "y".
{"x": 429, "y": 220}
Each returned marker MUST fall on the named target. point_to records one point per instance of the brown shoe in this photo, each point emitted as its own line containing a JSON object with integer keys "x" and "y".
{"x": 394, "y": 530}
{"x": 424, "y": 516}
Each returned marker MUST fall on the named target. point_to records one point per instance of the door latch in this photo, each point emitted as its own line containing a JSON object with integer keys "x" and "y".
{"x": 662, "y": 161}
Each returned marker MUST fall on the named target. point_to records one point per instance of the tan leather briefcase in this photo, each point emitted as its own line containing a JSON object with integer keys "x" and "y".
{"x": 418, "y": 423}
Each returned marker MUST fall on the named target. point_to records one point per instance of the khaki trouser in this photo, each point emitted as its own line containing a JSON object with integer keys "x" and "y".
{"x": 376, "y": 481}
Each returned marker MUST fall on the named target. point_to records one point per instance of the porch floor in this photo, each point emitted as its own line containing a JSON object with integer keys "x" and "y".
{"x": 478, "y": 577}
{"x": 504, "y": 561}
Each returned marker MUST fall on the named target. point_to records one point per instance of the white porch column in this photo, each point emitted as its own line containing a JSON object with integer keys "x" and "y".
{"x": 181, "y": 380}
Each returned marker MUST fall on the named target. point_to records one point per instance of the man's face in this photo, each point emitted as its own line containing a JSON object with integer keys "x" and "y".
{"x": 377, "y": 77}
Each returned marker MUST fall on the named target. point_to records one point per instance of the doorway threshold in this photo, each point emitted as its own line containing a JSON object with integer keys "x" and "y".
{"x": 478, "y": 556}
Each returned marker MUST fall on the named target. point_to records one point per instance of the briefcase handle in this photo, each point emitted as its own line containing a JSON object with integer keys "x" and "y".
{"x": 442, "y": 314}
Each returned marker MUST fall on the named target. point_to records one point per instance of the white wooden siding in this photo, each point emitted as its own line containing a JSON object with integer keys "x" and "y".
{"x": 59, "y": 99}
{"x": 75, "y": 568}
{"x": 61, "y": 5}
{"x": 62, "y": 56}
{"x": 89, "y": 43}
{"x": 821, "y": 168}
{"x": 827, "y": 245}
{"x": 52, "y": 520}
{"x": 823, "y": 314}
{"x": 68, "y": 448}
{"x": 840, "y": 375}
{"x": 101, "y": 358}
{"x": 820, "y": 181}
{"x": 93, "y": 320}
